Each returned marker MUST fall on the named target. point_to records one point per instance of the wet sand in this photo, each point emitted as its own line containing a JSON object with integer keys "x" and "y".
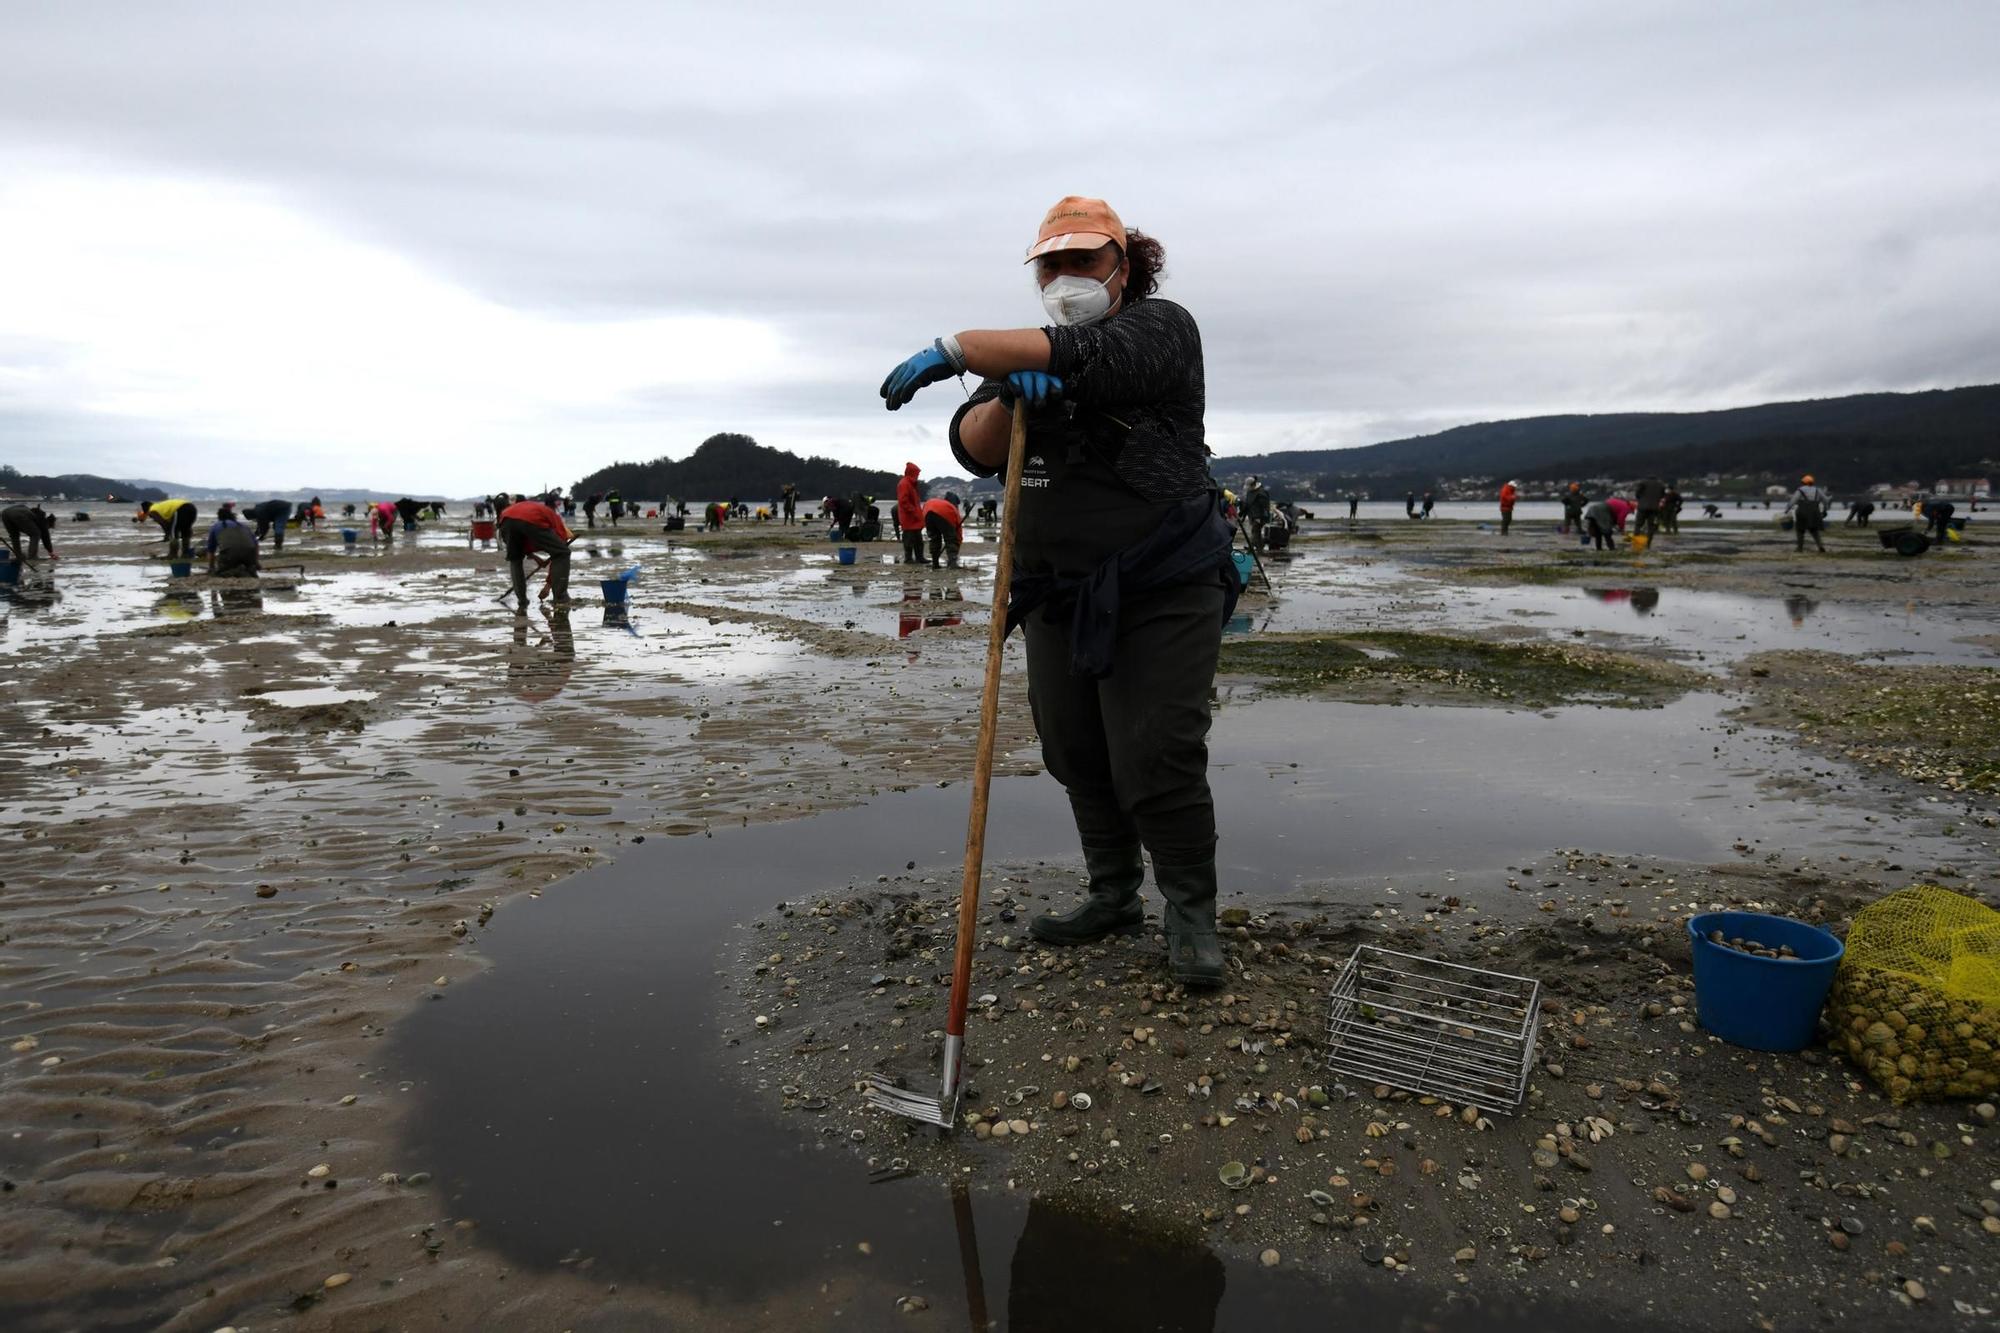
{"x": 264, "y": 854}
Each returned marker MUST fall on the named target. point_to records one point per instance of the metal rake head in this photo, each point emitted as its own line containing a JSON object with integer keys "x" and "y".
{"x": 926, "y": 1108}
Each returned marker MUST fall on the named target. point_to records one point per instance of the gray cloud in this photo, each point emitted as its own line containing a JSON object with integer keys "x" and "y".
{"x": 1380, "y": 215}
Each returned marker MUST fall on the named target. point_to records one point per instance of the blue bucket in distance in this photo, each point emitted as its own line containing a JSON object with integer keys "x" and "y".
{"x": 847, "y": 554}
{"x": 10, "y": 571}
{"x": 180, "y": 569}
{"x": 614, "y": 591}
{"x": 350, "y": 535}
{"x": 1764, "y": 1004}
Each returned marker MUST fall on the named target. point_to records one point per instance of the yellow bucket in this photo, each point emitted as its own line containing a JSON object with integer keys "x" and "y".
{"x": 1640, "y": 541}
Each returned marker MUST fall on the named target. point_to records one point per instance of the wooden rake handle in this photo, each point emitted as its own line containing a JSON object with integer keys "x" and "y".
{"x": 989, "y": 722}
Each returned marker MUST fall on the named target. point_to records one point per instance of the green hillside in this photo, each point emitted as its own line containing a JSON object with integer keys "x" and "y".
{"x": 1848, "y": 442}
{"x": 731, "y": 465}
{"x": 79, "y": 486}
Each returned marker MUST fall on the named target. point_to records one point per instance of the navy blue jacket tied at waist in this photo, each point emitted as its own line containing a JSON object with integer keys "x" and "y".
{"x": 1192, "y": 542}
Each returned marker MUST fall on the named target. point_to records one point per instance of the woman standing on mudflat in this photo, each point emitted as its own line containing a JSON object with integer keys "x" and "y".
{"x": 1122, "y": 570}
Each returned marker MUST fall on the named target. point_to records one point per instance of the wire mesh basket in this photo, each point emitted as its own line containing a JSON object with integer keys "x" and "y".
{"x": 1433, "y": 1028}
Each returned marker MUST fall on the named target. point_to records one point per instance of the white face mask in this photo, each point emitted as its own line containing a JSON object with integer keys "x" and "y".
{"x": 1074, "y": 300}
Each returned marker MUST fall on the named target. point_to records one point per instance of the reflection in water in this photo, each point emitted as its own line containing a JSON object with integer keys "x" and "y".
{"x": 35, "y": 586}
{"x": 539, "y": 671}
{"x": 236, "y": 601}
{"x": 180, "y": 605}
{"x": 968, "y": 1256}
{"x": 1071, "y": 1272}
{"x": 1642, "y": 600}
{"x": 618, "y": 615}
{"x": 909, "y": 621}
{"x": 1798, "y": 606}
{"x": 1244, "y": 622}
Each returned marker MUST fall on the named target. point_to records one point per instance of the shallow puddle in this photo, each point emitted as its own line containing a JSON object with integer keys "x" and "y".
{"x": 1712, "y": 626}
{"x": 108, "y": 586}
{"x": 306, "y": 697}
{"x": 577, "y": 1099}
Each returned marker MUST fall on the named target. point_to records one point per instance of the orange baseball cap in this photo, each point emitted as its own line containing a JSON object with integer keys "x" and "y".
{"x": 1077, "y": 223}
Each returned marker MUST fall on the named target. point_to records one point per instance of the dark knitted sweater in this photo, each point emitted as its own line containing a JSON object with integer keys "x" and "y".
{"x": 1133, "y": 390}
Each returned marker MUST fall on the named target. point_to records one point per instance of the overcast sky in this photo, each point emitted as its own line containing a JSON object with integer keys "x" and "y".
{"x": 456, "y": 248}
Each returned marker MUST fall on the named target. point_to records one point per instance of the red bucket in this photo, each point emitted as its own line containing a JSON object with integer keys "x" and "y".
{"x": 482, "y": 529}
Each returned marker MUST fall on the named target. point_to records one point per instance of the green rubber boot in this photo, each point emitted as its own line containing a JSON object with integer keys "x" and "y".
{"x": 1194, "y": 954}
{"x": 1113, "y": 907}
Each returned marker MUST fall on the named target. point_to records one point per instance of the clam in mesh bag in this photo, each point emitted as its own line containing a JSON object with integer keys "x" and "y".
{"x": 1916, "y": 1002}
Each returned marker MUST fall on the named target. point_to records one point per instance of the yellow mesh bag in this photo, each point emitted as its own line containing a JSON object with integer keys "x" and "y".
{"x": 1916, "y": 1002}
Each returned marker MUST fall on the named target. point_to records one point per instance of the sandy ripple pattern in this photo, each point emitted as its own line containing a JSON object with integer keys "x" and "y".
{"x": 240, "y": 846}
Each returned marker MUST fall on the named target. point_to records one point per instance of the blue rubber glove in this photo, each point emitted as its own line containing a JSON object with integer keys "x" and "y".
{"x": 926, "y": 367}
{"x": 1038, "y": 387}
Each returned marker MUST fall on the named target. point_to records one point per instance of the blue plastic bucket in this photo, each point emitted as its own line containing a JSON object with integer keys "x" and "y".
{"x": 180, "y": 569}
{"x": 350, "y": 535}
{"x": 10, "y": 571}
{"x": 847, "y": 554}
{"x": 1764, "y": 1004}
{"x": 1244, "y": 564}
{"x": 835, "y": 535}
{"x": 614, "y": 591}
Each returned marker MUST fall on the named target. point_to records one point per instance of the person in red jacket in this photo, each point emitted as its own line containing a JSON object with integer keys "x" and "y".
{"x": 1508, "y": 494}
{"x": 530, "y": 525}
{"x": 945, "y": 525}
{"x": 910, "y": 514}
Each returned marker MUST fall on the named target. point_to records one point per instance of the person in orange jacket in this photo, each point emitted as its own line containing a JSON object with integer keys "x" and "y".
{"x": 910, "y": 514}
{"x": 1508, "y": 494}
{"x": 529, "y": 525}
{"x": 945, "y": 524}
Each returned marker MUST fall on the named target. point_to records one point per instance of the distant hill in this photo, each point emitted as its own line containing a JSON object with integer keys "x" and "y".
{"x": 1849, "y": 443}
{"x": 86, "y": 488}
{"x": 297, "y": 495}
{"x": 729, "y": 465}
{"x": 79, "y": 486}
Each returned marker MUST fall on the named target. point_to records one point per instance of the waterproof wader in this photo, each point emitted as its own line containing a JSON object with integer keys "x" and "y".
{"x": 1130, "y": 750}
{"x": 519, "y": 538}
{"x": 268, "y": 516}
{"x": 944, "y": 539}
{"x": 235, "y": 553}
{"x": 21, "y": 527}
{"x": 180, "y": 534}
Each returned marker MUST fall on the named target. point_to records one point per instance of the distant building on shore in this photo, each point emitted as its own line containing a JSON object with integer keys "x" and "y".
{"x": 1977, "y": 488}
